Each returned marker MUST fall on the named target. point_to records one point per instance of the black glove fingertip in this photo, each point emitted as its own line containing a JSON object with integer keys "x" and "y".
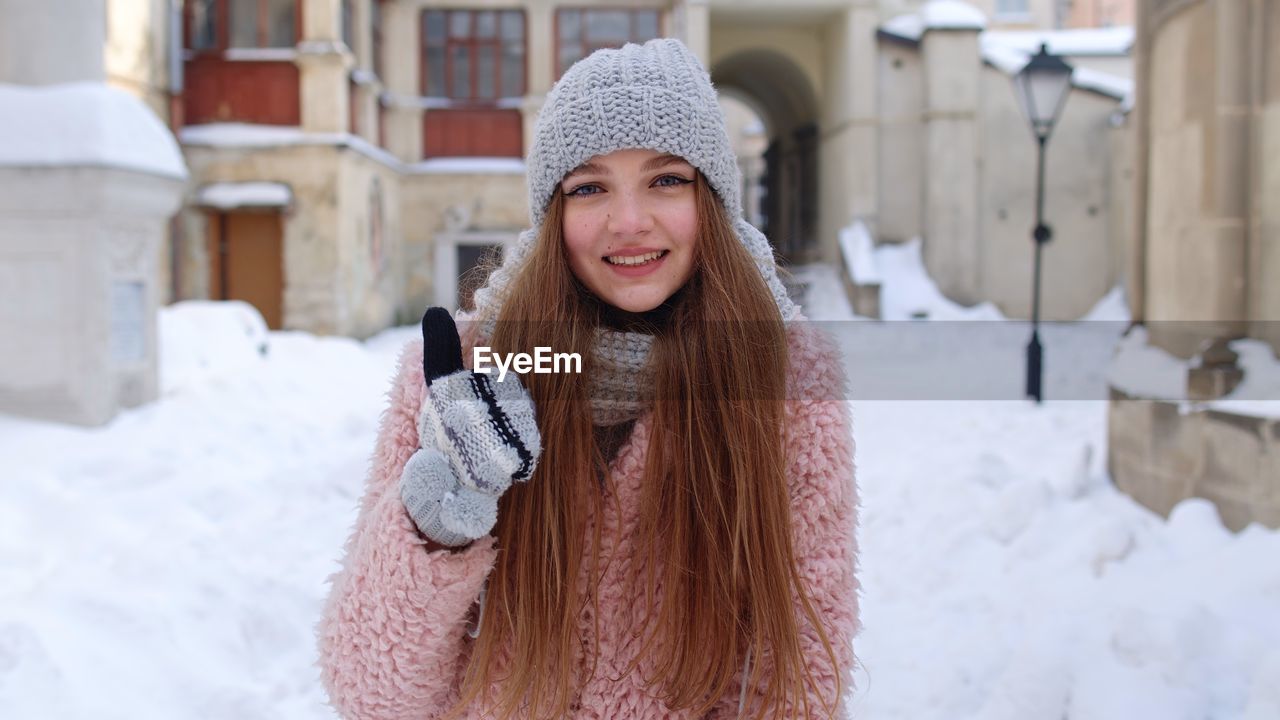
{"x": 441, "y": 346}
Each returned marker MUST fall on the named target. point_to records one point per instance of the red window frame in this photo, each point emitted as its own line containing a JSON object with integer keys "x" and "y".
{"x": 472, "y": 43}
{"x": 584, "y": 43}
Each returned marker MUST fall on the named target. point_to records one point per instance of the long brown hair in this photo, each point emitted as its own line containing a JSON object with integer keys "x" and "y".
{"x": 714, "y": 518}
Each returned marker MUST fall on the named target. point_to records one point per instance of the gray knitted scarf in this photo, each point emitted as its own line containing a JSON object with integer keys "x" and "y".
{"x": 622, "y": 384}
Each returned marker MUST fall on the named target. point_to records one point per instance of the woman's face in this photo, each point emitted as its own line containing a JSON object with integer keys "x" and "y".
{"x": 630, "y": 223}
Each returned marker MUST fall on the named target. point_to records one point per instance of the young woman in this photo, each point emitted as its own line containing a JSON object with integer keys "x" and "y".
{"x": 667, "y": 534}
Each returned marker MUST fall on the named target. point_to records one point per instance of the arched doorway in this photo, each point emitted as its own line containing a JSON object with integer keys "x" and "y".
{"x": 778, "y": 91}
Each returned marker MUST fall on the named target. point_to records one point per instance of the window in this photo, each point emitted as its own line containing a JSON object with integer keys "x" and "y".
{"x": 582, "y": 32}
{"x": 1019, "y": 8}
{"x": 473, "y": 55}
{"x": 204, "y": 25}
{"x": 263, "y": 23}
{"x": 240, "y": 67}
{"x": 349, "y": 24}
{"x": 219, "y": 24}
{"x": 375, "y": 10}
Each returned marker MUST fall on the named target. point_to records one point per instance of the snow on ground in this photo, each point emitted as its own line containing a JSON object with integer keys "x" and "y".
{"x": 173, "y": 564}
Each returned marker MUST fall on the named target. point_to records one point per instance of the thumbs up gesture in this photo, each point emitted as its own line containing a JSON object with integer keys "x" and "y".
{"x": 476, "y": 436}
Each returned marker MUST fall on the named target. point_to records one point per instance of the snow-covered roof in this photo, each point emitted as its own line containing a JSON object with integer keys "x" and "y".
{"x": 77, "y": 124}
{"x": 233, "y": 195}
{"x": 241, "y": 135}
{"x": 1009, "y": 51}
{"x": 1006, "y": 60}
{"x": 1116, "y": 41}
{"x": 952, "y": 15}
{"x": 1114, "y": 86}
{"x": 487, "y": 165}
{"x": 908, "y": 27}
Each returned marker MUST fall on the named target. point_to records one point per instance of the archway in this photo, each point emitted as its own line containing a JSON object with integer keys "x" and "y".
{"x": 778, "y": 91}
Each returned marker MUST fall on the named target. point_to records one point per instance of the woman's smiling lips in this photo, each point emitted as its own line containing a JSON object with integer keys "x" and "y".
{"x": 633, "y": 262}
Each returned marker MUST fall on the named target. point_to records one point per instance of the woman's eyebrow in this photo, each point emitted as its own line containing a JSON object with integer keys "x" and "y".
{"x": 649, "y": 165}
{"x": 661, "y": 161}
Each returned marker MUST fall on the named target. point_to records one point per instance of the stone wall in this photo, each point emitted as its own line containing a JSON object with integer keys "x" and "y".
{"x": 1079, "y": 265}
{"x": 331, "y": 284}
{"x": 492, "y": 201}
{"x": 1161, "y": 454}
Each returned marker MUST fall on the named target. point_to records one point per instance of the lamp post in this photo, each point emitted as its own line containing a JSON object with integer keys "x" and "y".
{"x": 1042, "y": 87}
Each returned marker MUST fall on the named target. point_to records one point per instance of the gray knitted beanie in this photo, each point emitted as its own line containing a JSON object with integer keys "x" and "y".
{"x": 654, "y": 96}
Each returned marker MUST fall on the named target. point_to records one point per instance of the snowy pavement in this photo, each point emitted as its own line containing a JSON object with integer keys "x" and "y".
{"x": 173, "y": 564}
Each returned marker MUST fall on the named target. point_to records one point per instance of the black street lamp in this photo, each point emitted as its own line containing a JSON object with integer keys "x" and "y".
{"x": 1042, "y": 87}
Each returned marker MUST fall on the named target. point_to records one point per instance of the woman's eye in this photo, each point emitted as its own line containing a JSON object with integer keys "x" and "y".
{"x": 671, "y": 181}
{"x": 583, "y": 190}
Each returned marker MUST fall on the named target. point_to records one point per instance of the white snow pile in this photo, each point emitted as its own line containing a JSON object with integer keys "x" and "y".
{"x": 203, "y": 341}
{"x": 84, "y": 124}
{"x": 912, "y": 294}
{"x": 173, "y": 563}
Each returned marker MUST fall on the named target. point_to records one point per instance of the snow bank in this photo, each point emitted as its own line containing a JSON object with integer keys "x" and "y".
{"x": 858, "y": 251}
{"x": 173, "y": 564}
{"x": 912, "y": 294}
{"x": 202, "y": 341}
{"x": 84, "y": 124}
{"x": 1146, "y": 371}
{"x": 824, "y": 297}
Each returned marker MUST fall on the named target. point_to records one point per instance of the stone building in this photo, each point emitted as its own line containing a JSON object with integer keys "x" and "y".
{"x": 88, "y": 180}
{"x": 1204, "y": 256}
{"x": 350, "y": 158}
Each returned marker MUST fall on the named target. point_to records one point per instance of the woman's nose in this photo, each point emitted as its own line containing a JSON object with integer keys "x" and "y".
{"x": 629, "y": 215}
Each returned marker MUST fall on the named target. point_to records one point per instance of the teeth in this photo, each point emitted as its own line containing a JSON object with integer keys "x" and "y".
{"x": 634, "y": 259}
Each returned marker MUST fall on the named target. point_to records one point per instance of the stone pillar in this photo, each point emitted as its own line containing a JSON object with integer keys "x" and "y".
{"x": 403, "y": 113}
{"x": 849, "y": 133}
{"x": 541, "y": 58}
{"x": 74, "y": 34}
{"x": 324, "y": 63}
{"x": 365, "y": 94}
{"x": 1231, "y": 142}
{"x": 952, "y": 75}
{"x": 692, "y": 24}
{"x": 1264, "y": 236}
{"x": 83, "y": 210}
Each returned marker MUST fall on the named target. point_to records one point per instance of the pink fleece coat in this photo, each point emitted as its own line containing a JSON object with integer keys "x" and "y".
{"x": 392, "y": 638}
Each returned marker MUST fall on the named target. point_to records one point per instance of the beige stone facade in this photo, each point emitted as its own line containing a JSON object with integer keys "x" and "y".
{"x": 1161, "y": 455}
{"x": 915, "y": 138}
{"x": 1204, "y": 251}
{"x": 956, "y": 161}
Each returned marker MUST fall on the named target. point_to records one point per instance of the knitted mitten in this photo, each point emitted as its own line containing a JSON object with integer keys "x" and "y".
{"x": 475, "y": 435}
